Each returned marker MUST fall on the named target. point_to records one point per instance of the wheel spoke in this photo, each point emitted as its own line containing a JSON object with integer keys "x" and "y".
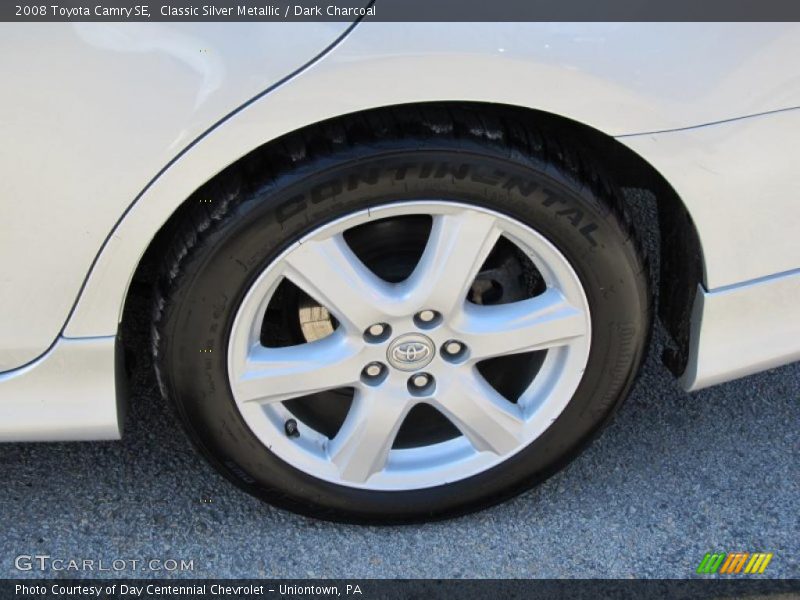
{"x": 456, "y": 249}
{"x": 542, "y": 322}
{"x": 362, "y": 444}
{"x": 489, "y": 421}
{"x": 329, "y": 271}
{"x": 278, "y": 374}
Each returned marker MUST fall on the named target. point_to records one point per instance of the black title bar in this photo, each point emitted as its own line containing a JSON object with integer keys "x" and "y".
{"x": 399, "y": 10}
{"x": 372, "y": 589}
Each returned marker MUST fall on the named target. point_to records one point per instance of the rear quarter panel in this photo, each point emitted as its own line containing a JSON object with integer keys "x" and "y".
{"x": 89, "y": 114}
{"x": 100, "y": 109}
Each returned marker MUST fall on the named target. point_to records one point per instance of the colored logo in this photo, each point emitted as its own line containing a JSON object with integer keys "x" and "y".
{"x": 734, "y": 563}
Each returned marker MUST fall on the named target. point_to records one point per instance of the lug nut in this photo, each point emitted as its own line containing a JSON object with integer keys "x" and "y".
{"x": 374, "y": 373}
{"x": 421, "y": 384}
{"x": 420, "y": 381}
{"x": 377, "y": 332}
{"x": 453, "y": 348}
{"x": 373, "y": 369}
{"x": 426, "y": 316}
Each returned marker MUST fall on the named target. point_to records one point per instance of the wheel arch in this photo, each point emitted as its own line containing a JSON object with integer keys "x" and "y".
{"x": 680, "y": 262}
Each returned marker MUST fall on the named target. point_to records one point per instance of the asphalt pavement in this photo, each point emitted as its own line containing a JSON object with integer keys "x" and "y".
{"x": 674, "y": 476}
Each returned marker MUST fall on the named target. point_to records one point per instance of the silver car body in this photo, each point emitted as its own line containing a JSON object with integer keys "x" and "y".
{"x": 107, "y": 128}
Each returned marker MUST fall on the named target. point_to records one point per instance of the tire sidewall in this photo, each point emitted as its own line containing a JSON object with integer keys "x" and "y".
{"x": 218, "y": 271}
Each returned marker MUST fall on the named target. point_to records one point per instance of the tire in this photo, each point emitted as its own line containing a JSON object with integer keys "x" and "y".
{"x": 244, "y": 226}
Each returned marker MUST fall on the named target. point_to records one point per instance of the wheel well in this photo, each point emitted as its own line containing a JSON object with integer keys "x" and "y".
{"x": 672, "y": 241}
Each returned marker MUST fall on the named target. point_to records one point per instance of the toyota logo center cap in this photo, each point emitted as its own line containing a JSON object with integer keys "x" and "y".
{"x": 410, "y": 352}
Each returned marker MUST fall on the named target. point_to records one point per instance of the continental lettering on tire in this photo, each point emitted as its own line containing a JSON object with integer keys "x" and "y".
{"x": 329, "y": 189}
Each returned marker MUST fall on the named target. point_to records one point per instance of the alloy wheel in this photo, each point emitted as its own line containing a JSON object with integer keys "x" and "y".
{"x": 396, "y": 345}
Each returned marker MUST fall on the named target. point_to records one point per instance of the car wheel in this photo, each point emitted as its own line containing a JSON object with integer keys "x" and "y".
{"x": 402, "y": 316}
